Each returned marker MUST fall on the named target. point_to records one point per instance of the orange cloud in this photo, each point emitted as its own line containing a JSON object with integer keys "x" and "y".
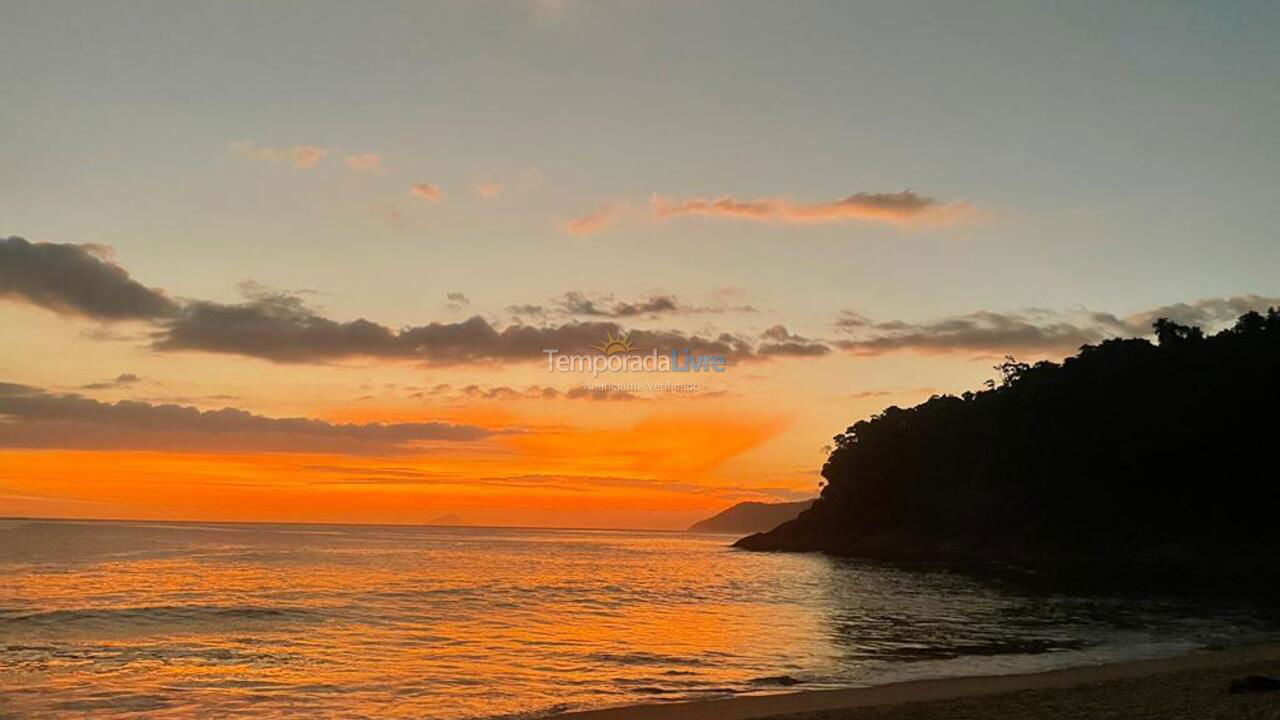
{"x": 425, "y": 191}
{"x": 899, "y": 207}
{"x": 38, "y": 419}
{"x": 590, "y": 223}
{"x": 305, "y": 156}
{"x": 488, "y": 189}
{"x": 364, "y": 162}
{"x": 302, "y": 156}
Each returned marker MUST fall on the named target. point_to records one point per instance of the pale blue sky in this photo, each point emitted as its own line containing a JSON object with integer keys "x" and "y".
{"x": 1123, "y": 155}
{"x": 1114, "y": 156}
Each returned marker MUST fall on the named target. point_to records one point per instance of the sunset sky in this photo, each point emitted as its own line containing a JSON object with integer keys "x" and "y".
{"x": 299, "y": 262}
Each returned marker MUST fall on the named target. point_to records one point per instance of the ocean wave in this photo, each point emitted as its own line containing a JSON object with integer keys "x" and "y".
{"x": 518, "y": 622}
{"x": 151, "y": 614}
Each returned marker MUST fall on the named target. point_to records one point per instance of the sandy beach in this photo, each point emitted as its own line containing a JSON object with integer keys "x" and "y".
{"x": 1189, "y": 686}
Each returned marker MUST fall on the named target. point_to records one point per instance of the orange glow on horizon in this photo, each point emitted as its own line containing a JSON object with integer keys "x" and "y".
{"x": 657, "y": 472}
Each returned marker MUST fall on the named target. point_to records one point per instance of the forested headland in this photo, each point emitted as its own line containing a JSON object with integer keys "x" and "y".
{"x": 1154, "y": 462}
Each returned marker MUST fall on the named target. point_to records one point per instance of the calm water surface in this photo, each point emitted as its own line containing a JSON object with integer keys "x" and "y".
{"x": 106, "y": 619}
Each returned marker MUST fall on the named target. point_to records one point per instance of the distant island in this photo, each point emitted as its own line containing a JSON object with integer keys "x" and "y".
{"x": 751, "y": 517}
{"x": 450, "y": 520}
{"x": 1131, "y": 461}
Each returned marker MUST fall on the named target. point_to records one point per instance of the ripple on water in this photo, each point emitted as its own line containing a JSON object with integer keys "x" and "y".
{"x": 132, "y": 619}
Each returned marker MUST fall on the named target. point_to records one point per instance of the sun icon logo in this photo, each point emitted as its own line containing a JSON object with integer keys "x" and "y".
{"x": 614, "y": 345}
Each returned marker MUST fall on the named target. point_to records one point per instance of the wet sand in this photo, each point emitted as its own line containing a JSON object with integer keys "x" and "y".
{"x": 1189, "y": 686}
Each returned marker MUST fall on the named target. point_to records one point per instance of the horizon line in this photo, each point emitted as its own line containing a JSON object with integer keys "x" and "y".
{"x": 8, "y": 518}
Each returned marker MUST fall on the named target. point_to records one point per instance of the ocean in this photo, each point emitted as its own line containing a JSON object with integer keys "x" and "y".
{"x": 137, "y": 619}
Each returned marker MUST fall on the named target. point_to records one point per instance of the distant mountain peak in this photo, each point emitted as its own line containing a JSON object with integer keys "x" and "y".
{"x": 448, "y": 519}
{"x": 751, "y": 517}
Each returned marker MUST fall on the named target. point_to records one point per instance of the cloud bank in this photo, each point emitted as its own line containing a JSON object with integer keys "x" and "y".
{"x": 282, "y": 327}
{"x": 581, "y": 304}
{"x": 1033, "y": 331}
{"x": 777, "y": 341}
{"x": 285, "y": 329}
{"x": 76, "y": 280}
{"x": 31, "y": 417}
{"x": 899, "y": 207}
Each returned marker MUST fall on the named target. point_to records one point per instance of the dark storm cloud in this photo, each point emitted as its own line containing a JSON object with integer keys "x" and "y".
{"x": 76, "y": 280}
{"x": 34, "y": 418}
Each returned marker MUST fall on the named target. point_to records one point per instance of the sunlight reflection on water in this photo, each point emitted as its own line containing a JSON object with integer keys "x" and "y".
{"x": 174, "y": 620}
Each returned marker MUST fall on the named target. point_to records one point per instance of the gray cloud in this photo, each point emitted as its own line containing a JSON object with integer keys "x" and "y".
{"x": 531, "y": 311}
{"x": 849, "y": 319}
{"x": 777, "y": 341}
{"x": 890, "y": 392}
{"x": 1208, "y": 313}
{"x": 279, "y": 329}
{"x": 980, "y": 333}
{"x": 602, "y": 392}
{"x": 900, "y": 206}
{"x": 578, "y": 303}
{"x": 284, "y": 329}
{"x": 121, "y": 380}
{"x": 652, "y": 306}
{"x": 35, "y": 418}
{"x": 76, "y": 280}
{"x": 537, "y": 392}
{"x": 1032, "y": 331}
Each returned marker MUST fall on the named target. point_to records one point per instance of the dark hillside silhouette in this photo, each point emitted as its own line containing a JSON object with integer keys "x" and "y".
{"x": 748, "y": 517}
{"x": 1157, "y": 458}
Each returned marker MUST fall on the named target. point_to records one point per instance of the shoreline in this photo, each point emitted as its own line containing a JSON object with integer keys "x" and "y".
{"x": 1167, "y": 676}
